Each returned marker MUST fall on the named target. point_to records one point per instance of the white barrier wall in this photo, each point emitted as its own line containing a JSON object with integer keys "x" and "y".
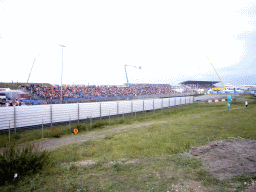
{"x": 124, "y": 107}
{"x": 23, "y": 116}
{"x": 157, "y": 103}
{"x": 148, "y": 105}
{"x": 137, "y": 105}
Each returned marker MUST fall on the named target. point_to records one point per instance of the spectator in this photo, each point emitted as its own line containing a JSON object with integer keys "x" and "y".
{"x": 246, "y": 103}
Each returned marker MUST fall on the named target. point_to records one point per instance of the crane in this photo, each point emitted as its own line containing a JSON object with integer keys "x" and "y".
{"x": 31, "y": 70}
{"x": 217, "y": 88}
{"x": 126, "y": 72}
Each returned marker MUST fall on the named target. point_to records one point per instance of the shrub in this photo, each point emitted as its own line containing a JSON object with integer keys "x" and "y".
{"x": 81, "y": 127}
{"x": 55, "y": 133}
{"x": 16, "y": 136}
{"x": 97, "y": 124}
{"x": 121, "y": 121}
{"x": 23, "y": 161}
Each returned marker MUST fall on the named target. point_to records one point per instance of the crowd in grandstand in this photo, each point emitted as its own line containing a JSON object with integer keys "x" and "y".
{"x": 54, "y": 92}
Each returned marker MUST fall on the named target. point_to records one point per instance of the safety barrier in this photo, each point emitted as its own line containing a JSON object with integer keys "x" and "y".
{"x": 24, "y": 116}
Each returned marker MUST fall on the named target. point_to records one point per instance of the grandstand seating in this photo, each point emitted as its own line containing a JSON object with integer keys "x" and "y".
{"x": 75, "y": 93}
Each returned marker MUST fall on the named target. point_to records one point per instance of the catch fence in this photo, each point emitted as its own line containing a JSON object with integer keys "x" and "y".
{"x": 33, "y": 115}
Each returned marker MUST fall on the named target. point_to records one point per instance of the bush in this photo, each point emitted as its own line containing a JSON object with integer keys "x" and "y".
{"x": 16, "y": 136}
{"x": 23, "y": 161}
{"x": 97, "y": 124}
{"x": 81, "y": 127}
{"x": 55, "y": 133}
{"x": 121, "y": 121}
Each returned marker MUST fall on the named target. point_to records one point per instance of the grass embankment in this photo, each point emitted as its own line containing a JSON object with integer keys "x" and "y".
{"x": 151, "y": 156}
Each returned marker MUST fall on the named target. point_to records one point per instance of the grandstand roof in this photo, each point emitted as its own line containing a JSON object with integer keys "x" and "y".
{"x": 199, "y": 82}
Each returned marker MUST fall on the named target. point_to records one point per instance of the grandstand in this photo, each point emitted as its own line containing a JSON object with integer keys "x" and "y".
{"x": 199, "y": 84}
{"x": 51, "y": 94}
{"x": 83, "y": 93}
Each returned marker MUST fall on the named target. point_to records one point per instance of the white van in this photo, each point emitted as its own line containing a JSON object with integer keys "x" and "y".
{"x": 2, "y": 96}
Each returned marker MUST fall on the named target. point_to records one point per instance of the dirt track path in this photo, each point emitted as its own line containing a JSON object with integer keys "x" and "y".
{"x": 51, "y": 144}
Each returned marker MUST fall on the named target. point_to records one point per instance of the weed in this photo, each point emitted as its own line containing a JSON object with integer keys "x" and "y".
{"x": 97, "y": 125}
{"x": 117, "y": 167}
{"x": 201, "y": 174}
{"x": 121, "y": 121}
{"x": 55, "y": 133}
{"x": 73, "y": 167}
{"x": 177, "y": 149}
{"x": 23, "y": 161}
{"x": 81, "y": 127}
{"x": 16, "y": 136}
{"x": 243, "y": 178}
{"x": 109, "y": 137}
{"x": 186, "y": 161}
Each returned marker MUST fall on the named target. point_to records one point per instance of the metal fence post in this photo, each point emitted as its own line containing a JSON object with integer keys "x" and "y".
{"x": 100, "y": 110}
{"x": 69, "y": 124}
{"x": 154, "y": 106}
{"x": 9, "y": 131}
{"x": 162, "y": 106}
{"x": 78, "y": 112}
{"x": 123, "y": 114}
{"x": 42, "y": 127}
{"x": 14, "y": 118}
{"x": 91, "y": 121}
{"x": 143, "y": 106}
{"x": 51, "y": 114}
{"x": 132, "y": 107}
{"x": 109, "y": 117}
{"x": 135, "y": 114}
{"x": 117, "y": 110}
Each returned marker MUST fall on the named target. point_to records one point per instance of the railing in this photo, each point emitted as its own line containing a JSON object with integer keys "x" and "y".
{"x": 25, "y": 116}
{"x": 37, "y": 100}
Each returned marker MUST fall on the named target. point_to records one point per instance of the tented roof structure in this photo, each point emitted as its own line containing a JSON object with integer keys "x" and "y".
{"x": 204, "y": 84}
{"x": 199, "y": 82}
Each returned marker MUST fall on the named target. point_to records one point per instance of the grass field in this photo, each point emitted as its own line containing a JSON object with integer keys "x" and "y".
{"x": 150, "y": 157}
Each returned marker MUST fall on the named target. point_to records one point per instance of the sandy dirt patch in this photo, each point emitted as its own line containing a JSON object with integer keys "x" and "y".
{"x": 228, "y": 158}
{"x": 92, "y": 162}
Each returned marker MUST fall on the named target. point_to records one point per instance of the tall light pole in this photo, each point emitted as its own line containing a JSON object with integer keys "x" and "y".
{"x": 31, "y": 70}
{"x": 61, "y": 75}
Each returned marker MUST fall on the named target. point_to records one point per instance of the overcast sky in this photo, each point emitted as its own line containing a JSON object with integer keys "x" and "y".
{"x": 170, "y": 40}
